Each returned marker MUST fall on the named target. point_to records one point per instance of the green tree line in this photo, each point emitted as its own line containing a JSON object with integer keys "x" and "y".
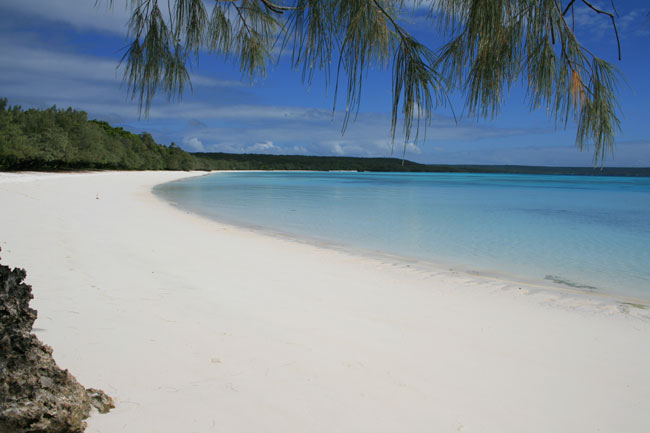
{"x": 250, "y": 161}
{"x": 56, "y": 139}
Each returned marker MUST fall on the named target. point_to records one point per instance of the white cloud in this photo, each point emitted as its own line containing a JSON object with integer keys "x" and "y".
{"x": 311, "y": 131}
{"x": 599, "y": 26}
{"x": 202, "y": 80}
{"x": 41, "y": 77}
{"x": 193, "y": 144}
{"x": 264, "y": 147}
{"x": 200, "y": 110}
{"x": 81, "y": 14}
{"x": 18, "y": 60}
{"x": 44, "y": 77}
{"x": 223, "y": 115}
{"x": 300, "y": 150}
{"x": 47, "y": 64}
{"x": 336, "y": 148}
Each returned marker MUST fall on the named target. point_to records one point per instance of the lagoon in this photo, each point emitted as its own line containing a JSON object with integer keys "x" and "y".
{"x": 579, "y": 232}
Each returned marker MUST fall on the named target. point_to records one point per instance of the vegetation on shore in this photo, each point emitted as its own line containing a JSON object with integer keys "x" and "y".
{"x": 55, "y": 139}
{"x": 236, "y": 161}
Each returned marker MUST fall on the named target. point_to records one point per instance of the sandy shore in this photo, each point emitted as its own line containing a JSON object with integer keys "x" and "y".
{"x": 195, "y": 326}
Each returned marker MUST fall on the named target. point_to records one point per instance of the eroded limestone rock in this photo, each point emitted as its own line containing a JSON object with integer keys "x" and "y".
{"x": 35, "y": 394}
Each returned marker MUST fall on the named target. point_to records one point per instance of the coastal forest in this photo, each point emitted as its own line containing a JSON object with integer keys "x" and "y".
{"x": 56, "y": 139}
{"x": 64, "y": 139}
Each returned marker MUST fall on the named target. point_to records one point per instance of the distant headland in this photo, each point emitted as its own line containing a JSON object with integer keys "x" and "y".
{"x": 64, "y": 139}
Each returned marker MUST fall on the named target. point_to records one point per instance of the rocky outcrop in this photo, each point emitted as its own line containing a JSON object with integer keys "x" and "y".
{"x": 35, "y": 394}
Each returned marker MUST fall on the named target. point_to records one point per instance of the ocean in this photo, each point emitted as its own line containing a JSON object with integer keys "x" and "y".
{"x": 583, "y": 232}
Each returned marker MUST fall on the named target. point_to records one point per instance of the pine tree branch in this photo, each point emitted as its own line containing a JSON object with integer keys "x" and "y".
{"x": 277, "y": 8}
{"x": 566, "y": 9}
{"x": 396, "y": 26}
{"x": 611, "y": 16}
{"x": 243, "y": 20}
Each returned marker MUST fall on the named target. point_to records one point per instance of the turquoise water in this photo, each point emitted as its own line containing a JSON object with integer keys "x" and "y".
{"x": 591, "y": 233}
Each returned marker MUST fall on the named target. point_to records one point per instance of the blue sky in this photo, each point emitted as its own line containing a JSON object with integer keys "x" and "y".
{"x": 66, "y": 52}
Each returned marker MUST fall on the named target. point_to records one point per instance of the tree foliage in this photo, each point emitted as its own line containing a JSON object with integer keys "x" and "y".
{"x": 55, "y": 139}
{"x": 238, "y": 161}
{"x": 489, "y": 46}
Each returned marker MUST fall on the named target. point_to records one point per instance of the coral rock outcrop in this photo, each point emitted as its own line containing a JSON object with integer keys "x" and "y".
{"x": 35, "y": 394}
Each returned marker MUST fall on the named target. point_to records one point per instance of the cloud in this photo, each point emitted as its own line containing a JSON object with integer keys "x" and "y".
{"x": 300, "y": 150}
{"x": 298, "y": 130}
{"x": 265, "y": 147}
{"x": 80, "y": 14}
{"x": 214, "y": 122}
{"x": 196, "y": 123}
{"x": 193, "y": 144}
{"x": 203, "y": 81}
{"x": 201, "y": 110}
{"x": 336, "y": 148}
{"x": 41, "y": 77}
{"x": 18, "y": 60}
{"x": 597, "y": 26}
{"x": 635, "y": 23}
{"x": 228, "y": 115}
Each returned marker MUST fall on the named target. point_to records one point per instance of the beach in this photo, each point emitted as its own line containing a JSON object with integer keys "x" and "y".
{"x": 192, "y": 325}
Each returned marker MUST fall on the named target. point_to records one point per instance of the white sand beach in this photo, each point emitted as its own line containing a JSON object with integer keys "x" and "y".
{"x": 196, "y": 326}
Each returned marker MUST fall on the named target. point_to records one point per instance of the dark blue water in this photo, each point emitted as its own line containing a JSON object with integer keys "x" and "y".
{"x": 584, "y": 232}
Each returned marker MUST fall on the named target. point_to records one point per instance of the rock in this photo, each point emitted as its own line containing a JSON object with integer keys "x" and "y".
{"x": 98, "y": 398}
{"x": 35, "y": 394}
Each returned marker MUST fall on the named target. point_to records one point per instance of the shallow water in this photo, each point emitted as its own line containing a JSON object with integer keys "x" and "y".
{"x": 590, "y": 233}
